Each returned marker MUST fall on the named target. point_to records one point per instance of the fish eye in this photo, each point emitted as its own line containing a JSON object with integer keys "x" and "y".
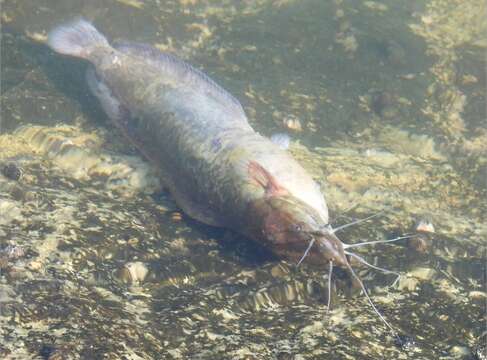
{"x": 296, "y": 228}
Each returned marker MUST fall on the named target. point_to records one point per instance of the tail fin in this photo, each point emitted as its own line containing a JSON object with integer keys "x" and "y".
{"x": 77, "y": 38}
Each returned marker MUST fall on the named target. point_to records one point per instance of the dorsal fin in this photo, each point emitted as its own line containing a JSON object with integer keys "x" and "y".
{"x": 282, "y": 140}
{"x": 265, "y": 179}
{"x": 175, "y": 65}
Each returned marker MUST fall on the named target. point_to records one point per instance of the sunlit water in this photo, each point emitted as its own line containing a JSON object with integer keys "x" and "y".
{"x": 385, "y": 106}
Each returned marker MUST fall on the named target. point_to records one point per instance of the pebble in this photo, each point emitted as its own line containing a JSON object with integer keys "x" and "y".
{"x": 35, "y": 265}
{"x": 459, "y": 351}
{"x": 424, "y": 225}
{"x": 11, "y": 171}
{"x": 133, "y": 272}
{"x": 292, "y": 123}
{"x": 477, "y": 295}
{"x": 176, "y": 216}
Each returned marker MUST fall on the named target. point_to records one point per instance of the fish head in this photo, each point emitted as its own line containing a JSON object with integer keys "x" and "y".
{"x": 290, "y": 226}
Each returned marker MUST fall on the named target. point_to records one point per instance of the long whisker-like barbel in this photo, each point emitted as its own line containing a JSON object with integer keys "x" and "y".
{"x": 307, "y": 250}
{"x": 357, "y": 221}
{"x": 394, "y": 333}
{"x": 329, "y": 286}
{"x": 387, "y": 271}
{"x": 348, "y": 246}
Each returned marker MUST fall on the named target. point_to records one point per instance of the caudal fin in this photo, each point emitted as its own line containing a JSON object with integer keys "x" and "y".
{"x": 77, "y": 38}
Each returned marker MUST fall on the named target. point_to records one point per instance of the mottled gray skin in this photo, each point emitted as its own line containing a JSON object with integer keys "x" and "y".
{"x": 195, "y": 133}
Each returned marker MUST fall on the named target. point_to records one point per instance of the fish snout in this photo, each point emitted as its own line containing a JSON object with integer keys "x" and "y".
{"x": 332, "y": 249}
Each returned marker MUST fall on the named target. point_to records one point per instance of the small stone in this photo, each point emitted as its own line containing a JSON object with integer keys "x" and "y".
{"x": 133, "y": 272}
{"x": 459, "y": 351}
{"x": 292, "y": 123}
{"x": 11, "y": 171}
{"x": 133, "y": 241}
{"x": 424, "y": 225}
{"x": 176, "y": 216}
{"x": 35, "y": 265}
{"x": 477, "y": 295}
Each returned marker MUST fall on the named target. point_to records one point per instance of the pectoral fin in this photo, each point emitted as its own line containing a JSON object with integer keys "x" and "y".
{"x": 262, "y": 177}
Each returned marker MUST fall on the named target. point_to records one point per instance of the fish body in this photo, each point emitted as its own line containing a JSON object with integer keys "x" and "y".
{"x": 217, "y": 168}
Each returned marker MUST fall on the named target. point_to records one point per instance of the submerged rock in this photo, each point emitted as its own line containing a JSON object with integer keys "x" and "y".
{"x": 11, "y": 171}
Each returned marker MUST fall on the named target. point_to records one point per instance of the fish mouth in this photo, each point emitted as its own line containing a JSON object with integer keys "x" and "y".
{"x": 329, "y": 247}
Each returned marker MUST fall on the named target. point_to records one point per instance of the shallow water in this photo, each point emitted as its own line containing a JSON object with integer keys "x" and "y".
{"x": 385, "y": 106}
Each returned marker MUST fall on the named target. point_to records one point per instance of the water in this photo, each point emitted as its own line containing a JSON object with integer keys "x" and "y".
{"x": 385, "y": 104}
